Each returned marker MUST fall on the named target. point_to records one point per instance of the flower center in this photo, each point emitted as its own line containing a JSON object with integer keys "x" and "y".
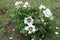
{"x": 29, "y": 20}
{"x": 30, "y": 28}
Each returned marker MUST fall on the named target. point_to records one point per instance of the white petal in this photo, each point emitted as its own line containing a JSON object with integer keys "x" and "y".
{"x": 17, "y": 3}
{"x": 47, "y": 15}
{"x": 42, "y": 7}
{"x": 32, "y": 39}
{"x": 29, "y": 32}
{"x": 25, "y": 20}
{"x": 33, "y": 30}
{"x": 29, "y": 24}
{"x": 47, "y": 11}
{"x": 56, "y": 33}
{"x": 26, "y": 3}
{"x": 26, "y": 28}
{"x": 20, "y": 2}
{"x": 57, "y": 28}
{"x": 33, "y": 26}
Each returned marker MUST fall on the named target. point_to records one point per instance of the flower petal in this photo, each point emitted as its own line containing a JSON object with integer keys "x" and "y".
{"x": 42, "y": 7}
{"x": 29, "y": 32}
{"x": 26, "y": 28}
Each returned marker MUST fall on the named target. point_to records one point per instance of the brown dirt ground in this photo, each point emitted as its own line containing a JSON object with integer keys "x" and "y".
{"x": 16, "y": 35}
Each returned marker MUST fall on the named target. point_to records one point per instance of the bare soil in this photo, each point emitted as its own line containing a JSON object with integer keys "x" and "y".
{"x": 16, "y": 35}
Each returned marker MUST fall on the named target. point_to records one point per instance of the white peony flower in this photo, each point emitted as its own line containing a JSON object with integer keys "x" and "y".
{"x": 26, "y": 5}
{"x": 10, "y": 38}
{"x": 56, "y": 33}
{"x": 28, "y": 20}
{"x": 57, "y": 28}
{"x": 18, "y": 3}
{"x": 47, "y": 13}
{"x": 42, "y": 7}
{"x": 30, "y": 29}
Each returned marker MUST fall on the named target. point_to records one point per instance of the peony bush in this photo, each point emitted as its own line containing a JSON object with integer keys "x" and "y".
{"x": 36, "y": 23}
